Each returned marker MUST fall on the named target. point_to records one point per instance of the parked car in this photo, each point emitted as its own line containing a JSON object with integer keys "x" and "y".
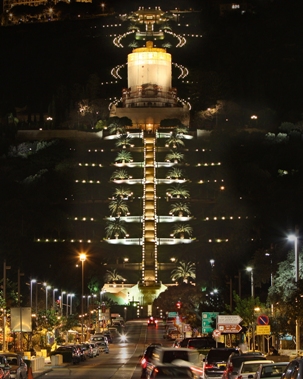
{"x": 146, "y": 357}
{"x": 99, "y": 338}
{"x": 109, "y": 337}
{"x": 169, "y": 371}
{"x": 92, "y": 349}
{"x": 293, "y": 370}
{"x": 215, "y": 361}
{"x": 69, "y": 353}
{"x": 4, "y": 368}
{"x": 270, "y": 370}
{"x": 18, "y": 368}
{"x": 235, "y": 361}
{"x": 103, "y": 347}
{"x": 248, "y": 369}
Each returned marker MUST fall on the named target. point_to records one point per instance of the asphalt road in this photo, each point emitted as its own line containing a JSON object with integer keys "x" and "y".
{"x": 123, "y": 360}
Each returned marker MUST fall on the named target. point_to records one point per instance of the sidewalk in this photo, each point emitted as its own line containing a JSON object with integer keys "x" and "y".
{"x": 47, "y": 368}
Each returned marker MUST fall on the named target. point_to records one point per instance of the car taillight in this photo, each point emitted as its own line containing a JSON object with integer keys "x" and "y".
{"x": 208, "y": 365}
{"x": 230, "y": 368}
{"x": 143, "y": 362}
{"x": 239, "y": 377}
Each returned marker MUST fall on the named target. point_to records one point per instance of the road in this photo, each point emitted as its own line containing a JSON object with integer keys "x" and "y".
{"x": 123, "y": 360}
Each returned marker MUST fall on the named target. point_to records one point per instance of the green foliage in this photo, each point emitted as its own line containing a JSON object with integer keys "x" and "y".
{"x": 245, "y": 308}
{"x": 119, "y": 174}
{"x": 118, "y": 207}
{"x": 180, "y": 208}
{"x": 113, "y": 276}
{"x": 184, "y": 271}
{"x": 178, "y": 190}
{"x": 124, "y": 156}
{"x": 115, "y": 228}
{"x": 174, "y": 156}
{"x": 182, "y": 229}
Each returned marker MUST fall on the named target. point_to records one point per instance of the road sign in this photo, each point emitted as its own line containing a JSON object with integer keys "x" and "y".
{"x": 228, "y": 319}
{"x": 208, "y": 318}
{"x": 229, "y": 328}
{"x": 263, "y": 329}
{"x": 172, "y": 314}
{"x": 216, "y": 333}
{"x": 263, "y": 320}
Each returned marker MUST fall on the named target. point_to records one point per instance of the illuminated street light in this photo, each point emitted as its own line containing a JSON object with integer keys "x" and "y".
{"x": 250, "y": 269}
{"x": 294, "y": 238}
{"x": 47, "y": 287}
{"x": 54, "y": 291}
{"x": 82, "y": 259}
{"x": 32, "y": 281}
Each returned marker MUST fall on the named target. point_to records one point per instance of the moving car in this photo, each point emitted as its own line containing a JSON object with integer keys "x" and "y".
{"x": 103, "y": 347}
{"x": 169, "y": 371}
{"x": 248, "y": 369}
{"x": 215, "y": 362}
{"x": 294, "y": 369}
{"x": 270, "y": 370}
{"x": 151, "y": 322}
{"x": 146, "y": 357}
{"x": 18, "y": 368}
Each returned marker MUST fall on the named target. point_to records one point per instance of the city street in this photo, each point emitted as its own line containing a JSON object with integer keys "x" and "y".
{"x": 123, "y": 361}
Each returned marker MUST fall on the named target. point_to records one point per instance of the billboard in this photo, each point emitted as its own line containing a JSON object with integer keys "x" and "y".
{"x": 21, "y": 317}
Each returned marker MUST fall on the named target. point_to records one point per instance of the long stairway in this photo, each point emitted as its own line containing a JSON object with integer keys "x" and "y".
{"x": 149, "y": 248}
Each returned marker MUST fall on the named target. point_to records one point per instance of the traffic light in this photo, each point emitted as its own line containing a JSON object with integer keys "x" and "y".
{"x": 178, "y": 304}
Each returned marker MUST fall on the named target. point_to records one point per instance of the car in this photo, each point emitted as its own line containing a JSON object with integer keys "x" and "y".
{"x": 103, "y": 347}
{"x": 169, "y": 371}
{"x": 235, "y": 361}
{"x": 214, "y": 363}
{"x": 4, "y": 368}
{"x": 200, "y": 343}
{"x": 109, "y": 337}
{"x": 249, "y": 368}
{"x": 179, "y": 357}
{"x": 18, "y": 368}
{"x": 69, "y": 352}
{"x": 293, "y": 370}
{"x": 270, "y": 370}
{"x": 151, "y": 322}
{"x": 146, "y": 357}
{"x": 99, "y": 338}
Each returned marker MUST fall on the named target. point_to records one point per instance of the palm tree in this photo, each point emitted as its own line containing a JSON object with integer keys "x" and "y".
{"x": 115, "y": 228}
{"x": 184, "y": 271}
{"x": 119, "y": 175}
{"x": 122, "y": 192}
{"x": 180, "y": 208}
{"x": 118, "y": 207}
{"x": 175, "y": 141}
{"x": 124, "y": 156}
{"x": 180, "y": 129}
{"x": 178, "y": 191}
{"x": 182, "y": 229}
{"x": 113, "y": 276}
{"x": 174, "y": 156}
{"x": 116, "y": 128}
{"x": 175, "y": 173}
{"x": 123, "y": 141}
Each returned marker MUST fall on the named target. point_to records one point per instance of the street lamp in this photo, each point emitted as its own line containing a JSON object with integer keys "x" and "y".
{"x": 294, "y": 238}
{"x": 82, "y": 259}
{"x": 54, "y": 291}
{"x": 46, "y": 294}
{"x": 32, "y": 281}
{"x": 61, "y": 301}
{"x": 250, "y": 269}
{"x": 102, "y": 6}
{"x": 71, "y": 303}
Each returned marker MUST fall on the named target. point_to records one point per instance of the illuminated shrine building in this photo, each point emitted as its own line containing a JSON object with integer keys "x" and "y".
{"x": 149, "y": 76}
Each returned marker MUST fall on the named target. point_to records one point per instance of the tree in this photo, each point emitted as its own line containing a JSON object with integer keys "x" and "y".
{"x": 115, "y": 228}
{"x": 118, "y": 207}
{"x": 122, "y": 192}
{"x": 180, "y": 208}
{"x": 184, "y": 271}
{"x": 115, "y": 126}
{"x": 174, "y": 156}
{"x": 124, "y": 157}
{"x": 178, "y": 191}
{"x": 182, "y": 229}
{"x": 123, "y": 141}
{"x": 174, "y": 141}
{"x": 119, "y": 175}
{"x": 113, "y": 276}
{"x": 175, "y": 173}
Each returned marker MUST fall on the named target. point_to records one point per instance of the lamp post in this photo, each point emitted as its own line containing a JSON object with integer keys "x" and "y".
{"x": 46, "y": 295}
{"x": 20, "y": 309}
{"x": 294, "y": 238}
{"x": 102, "y": 6}
{"x": 54, "y": 291}
{"x": 250, "y": 269}
{"x": 31, "y": 285}
{"x": 71, "y": 303}
{"x": 61, "y": 301}
{"x": 82, "y": 259}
